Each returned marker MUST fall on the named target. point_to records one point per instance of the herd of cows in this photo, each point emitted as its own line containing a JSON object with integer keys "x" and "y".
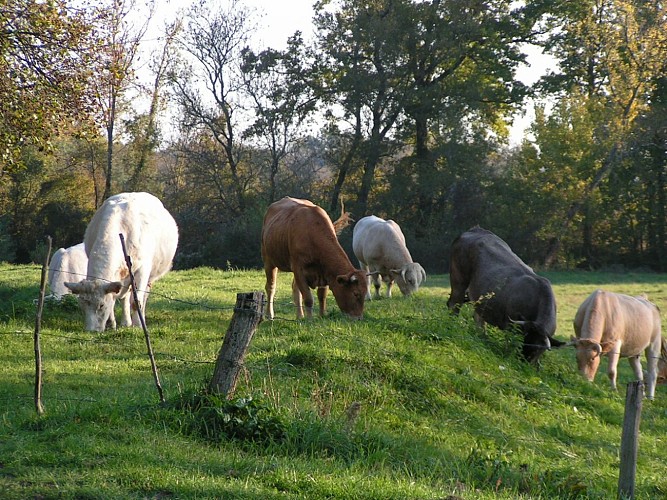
{"x": 299, "y": 237}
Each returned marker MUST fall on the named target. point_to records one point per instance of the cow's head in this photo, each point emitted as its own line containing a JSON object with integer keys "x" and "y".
{"x": 96, "y": 298}
{"x": 589, "y": 353}
{"x": 349, "y": 290}
{"x": 536, "y": 340}
{"x": 409, "y": 277}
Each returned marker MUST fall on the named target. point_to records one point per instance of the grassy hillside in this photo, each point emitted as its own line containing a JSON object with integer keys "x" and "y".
{"x": 408, "y": 403}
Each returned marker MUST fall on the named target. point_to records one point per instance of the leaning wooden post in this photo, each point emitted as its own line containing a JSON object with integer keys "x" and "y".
{"x": 133, "y": 286}
{"x": 630, "y": 440}
{"x": 248, "y": 314}
{"x": 38, "y": 326}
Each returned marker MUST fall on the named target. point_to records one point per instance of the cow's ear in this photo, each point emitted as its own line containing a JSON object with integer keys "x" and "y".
{"x": 74, "y": 287}
{"x": 346, "y": 279}
{"x": 113, "y": 287}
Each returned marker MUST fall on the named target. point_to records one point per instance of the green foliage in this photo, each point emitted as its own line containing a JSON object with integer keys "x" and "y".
{"x": 215, "y": 418}
{"x": 45, "y": 60}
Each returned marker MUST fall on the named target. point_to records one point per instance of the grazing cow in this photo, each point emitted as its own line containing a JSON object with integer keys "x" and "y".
{"x": 618, "y": 326}
{"x": 662, "y": 364}
{"x": 299, "y": 236}
{"x": 505, "y": 291}
{"x": 380, "y": 247}
{"x": 67, "y": 264}
{"x": 151, "y": 238}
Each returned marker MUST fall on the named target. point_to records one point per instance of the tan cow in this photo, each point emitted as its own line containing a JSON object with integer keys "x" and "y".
{"x": 617, "y": 325}
{"x": 299, "y": 237}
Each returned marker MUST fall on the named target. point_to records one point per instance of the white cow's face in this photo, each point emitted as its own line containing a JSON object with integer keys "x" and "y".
{"x": 97, "y": 299}
{"x": 409, "y": 278}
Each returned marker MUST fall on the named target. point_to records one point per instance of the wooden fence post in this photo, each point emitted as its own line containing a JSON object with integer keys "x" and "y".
{"x": 248, "y": 314}
{"x": 630, "y": 440}
{"x": 38, "y": 327}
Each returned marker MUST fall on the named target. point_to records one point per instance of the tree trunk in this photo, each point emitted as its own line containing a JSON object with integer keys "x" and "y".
{"x": 556, "y": 242}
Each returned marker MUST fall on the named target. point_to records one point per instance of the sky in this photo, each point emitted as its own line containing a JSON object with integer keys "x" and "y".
{"x": 279, "y": 19}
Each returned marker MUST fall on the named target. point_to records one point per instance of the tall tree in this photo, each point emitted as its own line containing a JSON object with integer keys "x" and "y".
{"x": 277, "y": 84}
{"x": 209, "y": 90}
{"x": 365, "y": 74}
{"x": 147, "y": 131}
{"x": 45, "y": 73}
{"x": 122, "y": 39}
{"x": 608, "y": 50}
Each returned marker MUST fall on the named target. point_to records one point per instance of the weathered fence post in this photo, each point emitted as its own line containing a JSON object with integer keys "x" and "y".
{"x": 38, "y": 326}
{"x": 140, "y": 313}
{"x": 630, "y": 440}
{"x": 248, "y": 314}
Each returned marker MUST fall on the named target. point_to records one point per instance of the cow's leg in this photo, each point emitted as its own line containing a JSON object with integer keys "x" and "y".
{"x": 142, "y": 295}
{"x": 111, "y": 321}
{"x": 366, "y": 268}
{"x": 652, "y": 358}
{"x": 636, "y": 366}
{"x": 459, "y": 285}
{"x": 126, "y": 309}
{"x": 614, "y": 355}
{"x": 270, "y": 288}
{"x": 377, "y": 283}
{"x": 390, "y": 283}
{"x": 303, "y": 296}
{"x": 322, "y": 299}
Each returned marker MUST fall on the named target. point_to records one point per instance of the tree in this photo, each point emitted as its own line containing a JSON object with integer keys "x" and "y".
{"x": 277, "y": 84}
{"x": 144, "y": 128}
{"x": 208, "y": 88}
{"x": 116, "y": 70}
{"x": 363, "y": 71}
{"x": 608, "y": 50}
{"x": 45, "y": 73}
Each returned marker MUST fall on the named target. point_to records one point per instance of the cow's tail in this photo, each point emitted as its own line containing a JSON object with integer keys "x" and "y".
{"x": 343, "y": 221}
{"x": 663, "y": 349}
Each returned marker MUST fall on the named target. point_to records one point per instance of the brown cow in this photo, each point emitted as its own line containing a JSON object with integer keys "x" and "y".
{"x": 617, "y": 325}
{"x": 299, "y": 237}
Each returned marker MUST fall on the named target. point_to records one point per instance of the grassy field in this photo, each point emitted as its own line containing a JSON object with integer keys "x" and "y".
{"x": 408, "y": 403}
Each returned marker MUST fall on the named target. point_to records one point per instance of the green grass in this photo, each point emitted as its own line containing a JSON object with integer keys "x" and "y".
{"x": 443, "y": 408}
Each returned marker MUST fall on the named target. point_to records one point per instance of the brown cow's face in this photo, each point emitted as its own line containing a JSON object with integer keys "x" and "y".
{"x": 350, "y": 290}
{"x": 588, "y": 359}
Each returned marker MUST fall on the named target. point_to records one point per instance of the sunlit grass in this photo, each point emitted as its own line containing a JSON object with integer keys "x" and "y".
{"x": 441, "y": 407}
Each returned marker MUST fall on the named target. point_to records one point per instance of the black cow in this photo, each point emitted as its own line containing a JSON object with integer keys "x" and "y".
{"x": 504, "y": 289}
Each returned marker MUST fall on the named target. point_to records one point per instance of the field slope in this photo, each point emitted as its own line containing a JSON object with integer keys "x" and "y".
{"x": 408, "y": 403}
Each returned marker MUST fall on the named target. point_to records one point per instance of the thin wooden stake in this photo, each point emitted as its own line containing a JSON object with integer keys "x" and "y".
{"x": 630, "y": 440}
{"x": 38, "y": 326}
{"x": 156, "y": 377}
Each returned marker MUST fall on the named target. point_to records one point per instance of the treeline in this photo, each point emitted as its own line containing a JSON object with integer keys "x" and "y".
{"x": 398, "y": 108}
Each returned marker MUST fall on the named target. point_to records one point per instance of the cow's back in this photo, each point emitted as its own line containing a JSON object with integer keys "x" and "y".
{"x": 377, "y": 241}
{"x": 67, "y": 264}
{"x": 484, "y": 261}
{"x": 610, "y": 317}
{"x": 296, "y": 230}
{"x": 149, "y": 230}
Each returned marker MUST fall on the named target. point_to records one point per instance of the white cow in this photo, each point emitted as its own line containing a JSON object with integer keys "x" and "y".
{"x": 151, "y": 238}
{"x": 380, "y": 247}
{"x": 67, "y": 264}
